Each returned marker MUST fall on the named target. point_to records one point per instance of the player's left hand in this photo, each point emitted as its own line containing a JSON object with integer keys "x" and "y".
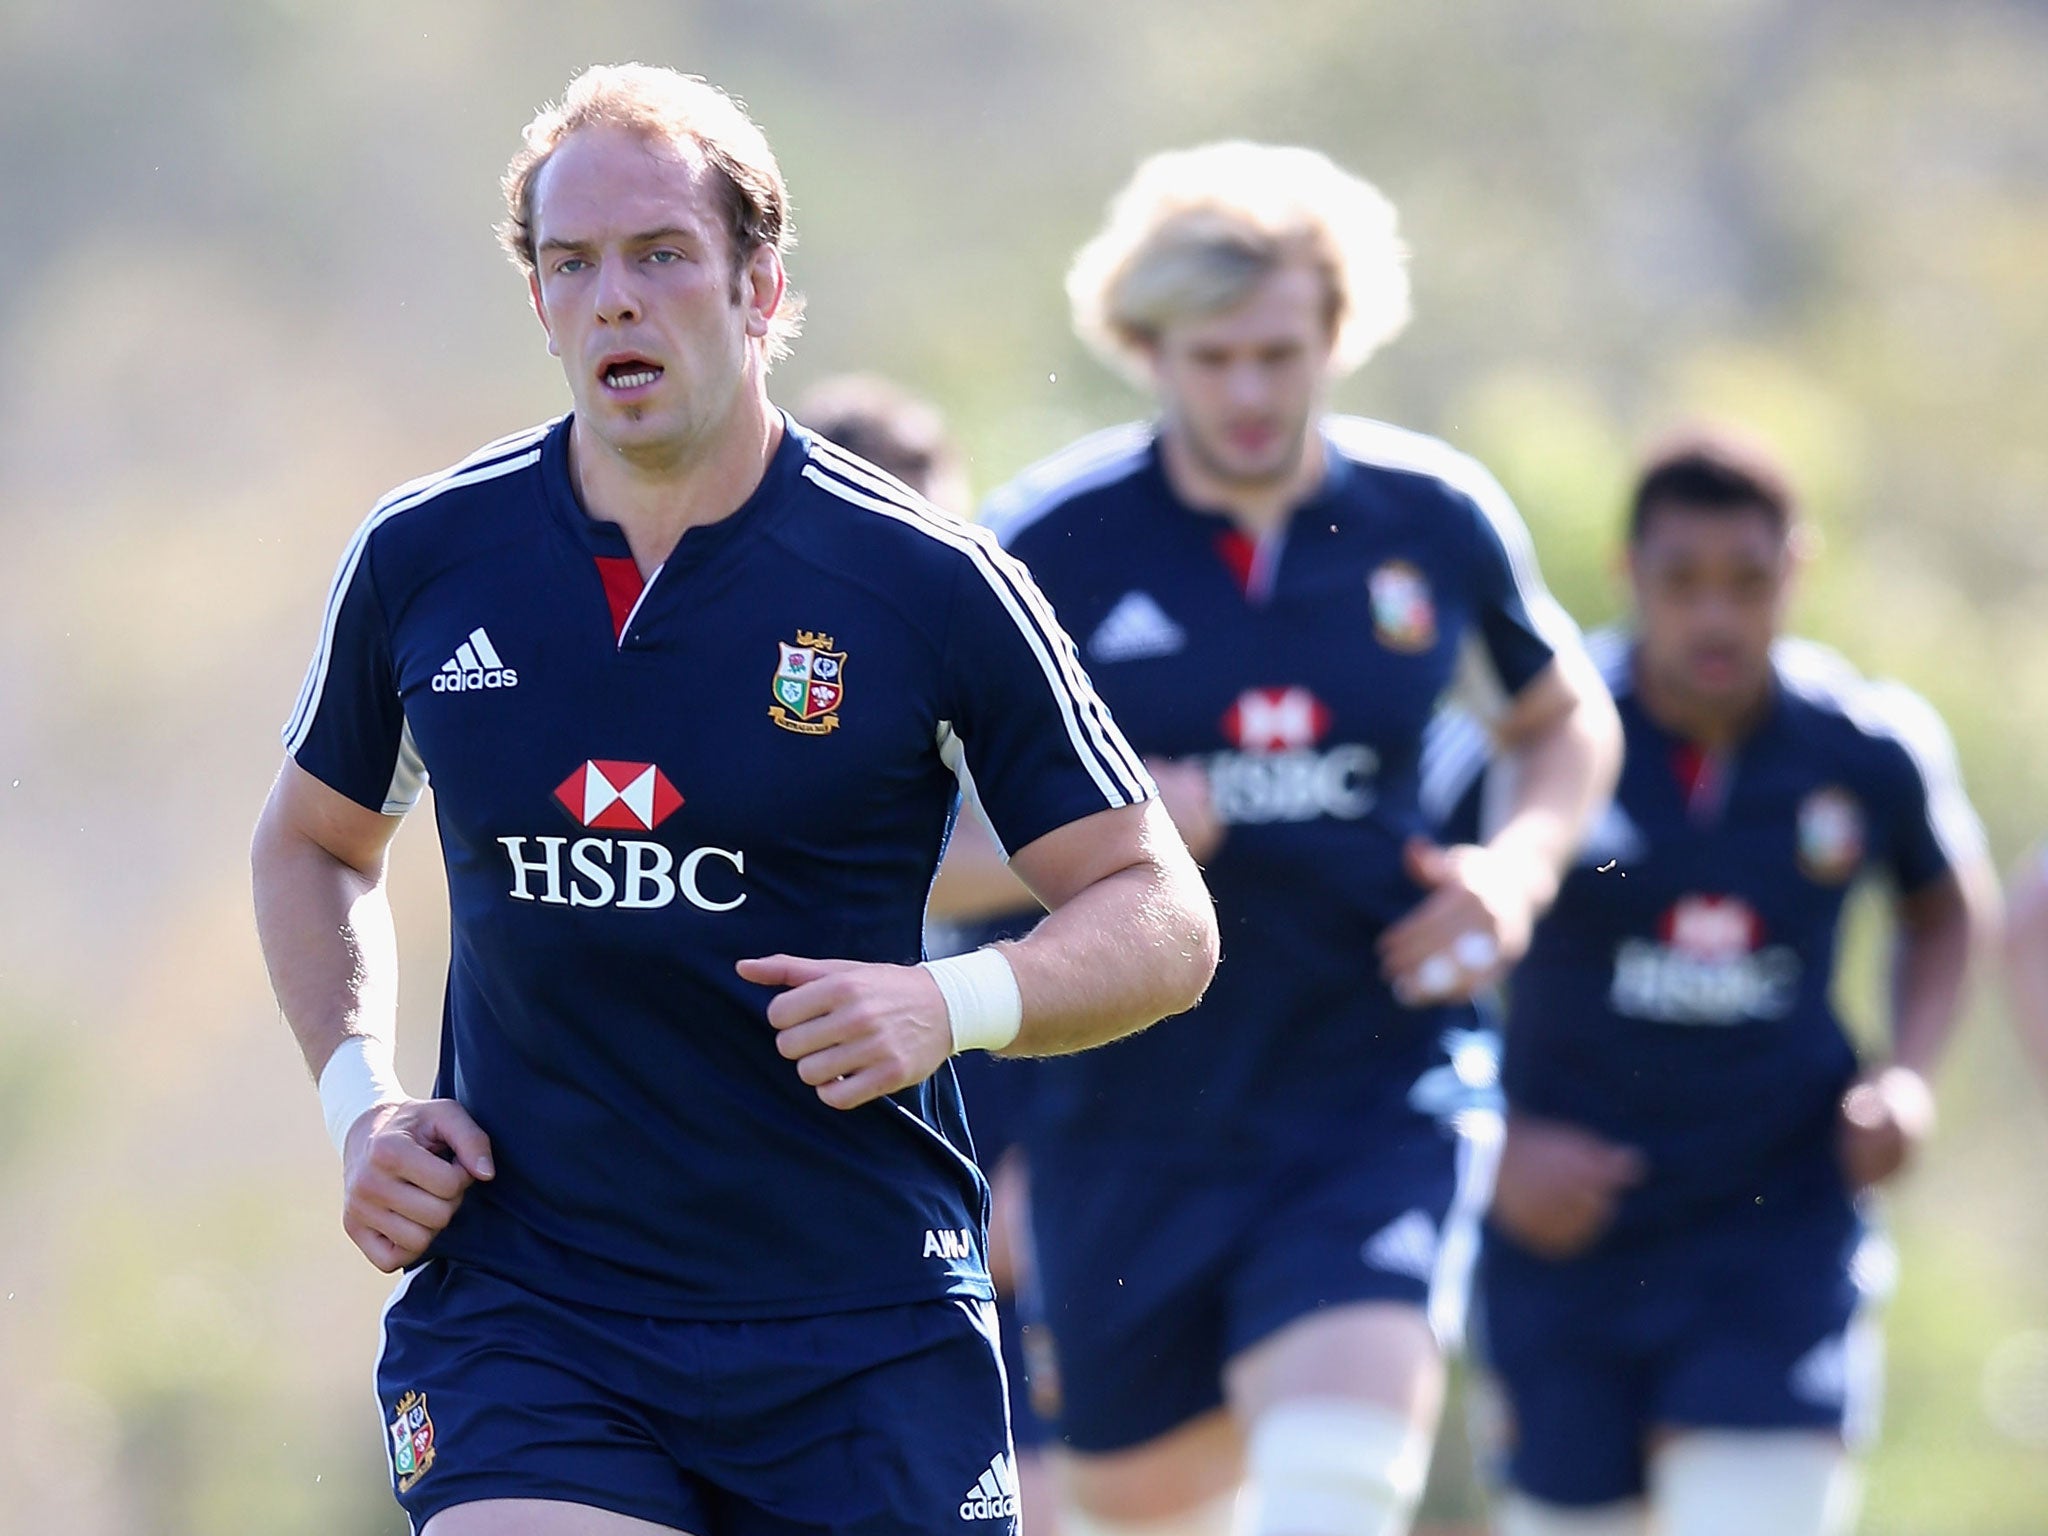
{"x": 1467, "y": 932}
{"x": 856, "y": 1031}
{"x": 1885, "y": 1116}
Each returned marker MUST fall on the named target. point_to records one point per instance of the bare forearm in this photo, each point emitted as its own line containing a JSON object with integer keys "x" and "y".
{"x": 328, "y": 942}
{"x": 1562, "y": 774}
{"x": 1939, "y": 939}
{"x": 1129, "y": 950}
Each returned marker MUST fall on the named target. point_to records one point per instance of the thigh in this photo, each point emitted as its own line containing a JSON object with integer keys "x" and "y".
{"x": 1570, "y": 1380}
{"x": 1133, "y": 1273}
{"x": 1365, "y": 1224}
{"x": 1186, "y": 1469}
{"x": 537, "y": 1517}
{"x": 490, "y": 1394}
{"x": 1790, "y": 1342}
{"x": 886, "y": 1422}
{"x": 1383, "y": 1353}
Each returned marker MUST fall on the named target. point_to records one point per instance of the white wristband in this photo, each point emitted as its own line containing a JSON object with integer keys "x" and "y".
{"x": 983, "y": 1004}
{"x": 361, "y": 1074}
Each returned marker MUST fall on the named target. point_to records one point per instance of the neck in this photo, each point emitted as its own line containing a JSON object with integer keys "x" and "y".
{"x": 657, "y": 497}
{"x": 1715, "y": 725}
{"x": 1257, "y": 507}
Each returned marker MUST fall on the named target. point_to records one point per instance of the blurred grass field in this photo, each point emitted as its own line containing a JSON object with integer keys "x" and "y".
{"x": 251, "y": 285}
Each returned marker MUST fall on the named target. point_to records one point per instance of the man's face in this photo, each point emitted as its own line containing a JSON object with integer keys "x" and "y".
{"x": 1242, "y": 389}
{"x": 635, "y": 282}
{"x": 1710, "y": 591}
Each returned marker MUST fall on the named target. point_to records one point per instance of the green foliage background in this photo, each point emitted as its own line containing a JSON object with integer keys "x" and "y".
{"x": 250, "y": 283}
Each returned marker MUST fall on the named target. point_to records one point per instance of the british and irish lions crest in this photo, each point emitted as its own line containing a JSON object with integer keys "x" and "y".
{"x": 412, "y": 1440}
{"x": 1403, "y": 617}
{"x": 809, "y": 686}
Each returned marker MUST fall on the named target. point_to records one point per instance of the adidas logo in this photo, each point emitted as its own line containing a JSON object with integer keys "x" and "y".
{"x": 994, "y": 1496}
{"x": 1136, "y": 629}
{"x": 1404, "y": 1246}
{"x": 475, "y": 664}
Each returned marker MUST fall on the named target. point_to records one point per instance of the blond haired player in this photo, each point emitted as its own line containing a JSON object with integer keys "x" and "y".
{"x": 1242, "y": 1223}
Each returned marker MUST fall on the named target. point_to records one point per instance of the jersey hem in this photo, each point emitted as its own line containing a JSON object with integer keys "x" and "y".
{"x": 653, "y": 1302}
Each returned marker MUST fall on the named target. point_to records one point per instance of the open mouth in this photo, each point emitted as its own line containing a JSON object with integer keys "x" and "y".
{"x": 623, "y": 375}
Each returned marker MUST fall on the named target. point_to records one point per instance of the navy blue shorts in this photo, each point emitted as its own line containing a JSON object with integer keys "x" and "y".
{"x": 1745, "y": 1321}
{"x": 890, "y": 1420}
{"x": 1153, "y": 1272}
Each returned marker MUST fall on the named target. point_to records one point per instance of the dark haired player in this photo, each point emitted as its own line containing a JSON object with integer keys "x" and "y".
{"x": 1675, "y": 1285}
{"x": 694, "y": 1242}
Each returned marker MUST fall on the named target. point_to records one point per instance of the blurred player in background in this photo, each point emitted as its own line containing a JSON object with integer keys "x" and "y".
{"x": 693, "y": 1240}
{"x": 906, "y": 436}
{"x": 1677, "y": 1275}
{"x": 1238, "y": 1222}
{"x": 2026, "y": 955}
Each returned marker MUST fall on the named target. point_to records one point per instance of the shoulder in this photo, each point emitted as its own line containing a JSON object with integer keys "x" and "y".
{"x": 1893, "y": 723}
{"x": 1068, "y": 482}
{"x": 1383, "y": 450}
{"x": 868, "y": 526}
{"x": 1612, "y": 650}
{"x": 428, "y": 506}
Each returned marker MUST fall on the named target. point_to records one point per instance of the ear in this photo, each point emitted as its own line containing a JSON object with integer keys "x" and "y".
{"x": 762, "y": 285}
{"x": 540, "y": 311}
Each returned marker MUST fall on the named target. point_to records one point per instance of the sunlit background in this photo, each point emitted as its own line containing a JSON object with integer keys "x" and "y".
{"x": 248, "y": 282}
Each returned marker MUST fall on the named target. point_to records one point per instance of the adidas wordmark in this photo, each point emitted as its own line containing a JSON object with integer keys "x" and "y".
{"x": 475, "y": 664}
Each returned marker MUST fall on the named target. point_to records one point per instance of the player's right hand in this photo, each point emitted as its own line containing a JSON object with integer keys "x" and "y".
{"x": 1558, "y": 1185}
{"x": 405, "y": 1167}
{"x": 1184, "y": 791}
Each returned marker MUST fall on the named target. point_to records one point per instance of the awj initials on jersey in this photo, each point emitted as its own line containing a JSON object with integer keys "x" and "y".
{"x": 1711, "y": 967}
{"x": 949, "y": 1243}
{"x": 1278, "y": 772}
{"x": 809, "y": 686}
{"x": 624, "y": 872}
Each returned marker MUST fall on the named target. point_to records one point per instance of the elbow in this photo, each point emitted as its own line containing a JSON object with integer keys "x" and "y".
{"x": 1196, "y": 957}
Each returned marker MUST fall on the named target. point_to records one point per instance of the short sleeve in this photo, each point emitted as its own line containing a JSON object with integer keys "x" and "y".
{"x": 1930, "y": 826}
{"x": 1457, "y": 754}
{"x": 1023, "y": 728}
{"x": 348, "y": 729}
{"x": 1520, "y": 626}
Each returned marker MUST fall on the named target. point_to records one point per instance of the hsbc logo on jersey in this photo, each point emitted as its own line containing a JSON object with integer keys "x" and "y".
{"x": 1708, "y": 965}
{"x": 633, "y": 797}
{"x": 625, "y": 872}
{"x": 1280, "y": 772}
{"x": 1276, "y": 719}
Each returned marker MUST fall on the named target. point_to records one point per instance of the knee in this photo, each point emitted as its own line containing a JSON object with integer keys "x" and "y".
{"x": 1335, "y": 1467}
{"x": 1760, "y": 1482}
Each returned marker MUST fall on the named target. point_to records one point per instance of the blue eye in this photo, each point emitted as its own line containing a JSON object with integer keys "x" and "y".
{"x": 571, "y": 264}
{"x": 665, "y": 256}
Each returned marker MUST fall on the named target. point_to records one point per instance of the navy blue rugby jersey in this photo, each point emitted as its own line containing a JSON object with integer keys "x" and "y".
{"x": 1677, "y": 996}
{"x": 636, "y": 786}
{"x": 1301, "y": 672}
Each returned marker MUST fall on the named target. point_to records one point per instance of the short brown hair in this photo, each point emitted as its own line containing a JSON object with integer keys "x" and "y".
{"x": 689, "y": 112}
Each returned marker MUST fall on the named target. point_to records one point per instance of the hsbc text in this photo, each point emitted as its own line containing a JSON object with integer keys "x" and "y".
{"x": 620, "y": 872}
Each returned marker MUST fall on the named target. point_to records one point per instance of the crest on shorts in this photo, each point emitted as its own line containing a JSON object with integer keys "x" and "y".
{"x": 412, "y": 1440}
{"x": 1830, "y": 835}
{"x": 809, "y": 685}
{"x": 1403, "y": 617}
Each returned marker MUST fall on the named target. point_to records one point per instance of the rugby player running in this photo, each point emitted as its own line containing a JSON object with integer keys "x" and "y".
{"x": 693, "y": 1241}
{"x": 1240, "y": 1222}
